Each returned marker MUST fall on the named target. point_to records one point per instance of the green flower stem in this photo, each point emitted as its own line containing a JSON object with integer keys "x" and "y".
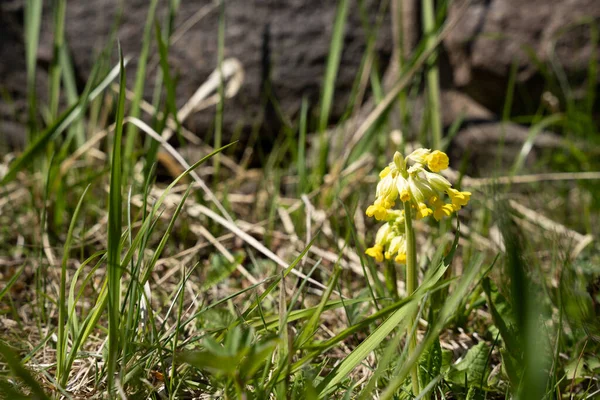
{"x": 411, "y": 286}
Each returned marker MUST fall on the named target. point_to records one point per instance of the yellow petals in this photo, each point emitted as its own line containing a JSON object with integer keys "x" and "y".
{"x": 423, "y": 211}
{"x": 384, "y": 172}
{"x": 443, "y": 211}
{"x": 376, "y": 252}
{"x": 416, "y": 181}
{"x": 400, "y": 258}
{"x": 377, "y": 211}
{"x": 419, "y": 156}
{"x": 458, "y": 198}
{"x": 437, "y": 161}
{"x": 405, "y": 195}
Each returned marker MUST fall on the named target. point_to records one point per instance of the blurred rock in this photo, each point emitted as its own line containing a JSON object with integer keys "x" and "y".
{"x": 282, "y": 44}
{"x": 494, "y": 34}
{"x": 485, "y": 145}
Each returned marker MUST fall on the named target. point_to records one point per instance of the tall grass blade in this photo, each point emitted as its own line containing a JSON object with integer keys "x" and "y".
{"x": 333, "y": 63}
{"x": 33, "y": 18}
{"x": 62, "y": 374}
{"x": 60, "y": 8}
{"x": 138, "y": 89}
{"x": 115, "y": 211}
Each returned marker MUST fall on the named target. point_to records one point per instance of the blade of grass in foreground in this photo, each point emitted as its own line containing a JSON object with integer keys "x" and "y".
{"x": 449, "y": 308}
{"x": 91, "y": 321}
{"x": 399, "y": 319}
{"x": 20, "y": 372}
{"x": 114, "y": 234}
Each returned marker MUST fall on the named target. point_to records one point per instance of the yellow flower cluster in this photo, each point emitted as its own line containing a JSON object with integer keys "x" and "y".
{"x": 390, "y": 241}
{"x": 414, "y": 179}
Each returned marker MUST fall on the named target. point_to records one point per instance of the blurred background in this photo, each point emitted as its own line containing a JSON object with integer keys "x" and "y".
{"x": 500, "y": 61}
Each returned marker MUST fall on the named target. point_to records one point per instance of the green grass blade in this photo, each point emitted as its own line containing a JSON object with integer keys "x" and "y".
{"x": 62, "y": 374}
{"x": 312, "y": 324}
{"x": 398, "y": 320}
{"x": 534, "y": 131}
{"x": 115, "y": 211}
{"x": 59, "y": 8}
{"x": 301, "y": 162}
{"x": 168, "y": 80}
{"x": 447, "y": 311}
{"x": 33, "y": 18}
{"x": 13, "y": 279}
{"x": 138, "y": 89}
{"x": 333, "y": 63}
{"x": 221, "y": 88}
{"x": 432, "y": 75}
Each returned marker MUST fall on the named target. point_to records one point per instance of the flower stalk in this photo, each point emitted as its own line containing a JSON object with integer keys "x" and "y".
{"x": 411, "y": 286}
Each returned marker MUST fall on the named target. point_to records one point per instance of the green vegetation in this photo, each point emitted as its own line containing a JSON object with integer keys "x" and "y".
{"x": 231, "y": 282}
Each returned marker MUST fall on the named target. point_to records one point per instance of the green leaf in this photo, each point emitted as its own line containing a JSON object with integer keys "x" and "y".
{"x": 473, "y": 368}
{"x": 430, "y": 364}
{"x": 213, "y": 362}
{"x": 257, "y": 357}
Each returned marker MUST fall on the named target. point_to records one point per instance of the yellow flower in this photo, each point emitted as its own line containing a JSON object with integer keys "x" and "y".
{"x": 376, "y": 252}
{"x": 384, "y": 172}
{"x": 437, "y": 182}
{"x": 403, "y": 189}
{"x": 440, "y": 209}
{"x": 419, "y": 156}
{"x": 437, "y": 161}
{"x": 423, "y": 211}
{"x": 459, "y": 199}
{"x": 397, "y": 245}
{"x": 400, "y": 258}
{"x": 387, "y": 190}
{"x": 415, "y": 179}
{"x": 378, "y": 211}
{"x": 420, "y": 189}
{"x": 443, "y": 211}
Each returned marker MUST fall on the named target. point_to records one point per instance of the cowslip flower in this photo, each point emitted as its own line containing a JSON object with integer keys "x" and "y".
{"x": 390, "y": 241}
{"x": 414, "y": 180}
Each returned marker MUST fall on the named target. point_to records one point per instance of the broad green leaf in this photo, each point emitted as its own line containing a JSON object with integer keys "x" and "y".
{"x": 473, "y": 368}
